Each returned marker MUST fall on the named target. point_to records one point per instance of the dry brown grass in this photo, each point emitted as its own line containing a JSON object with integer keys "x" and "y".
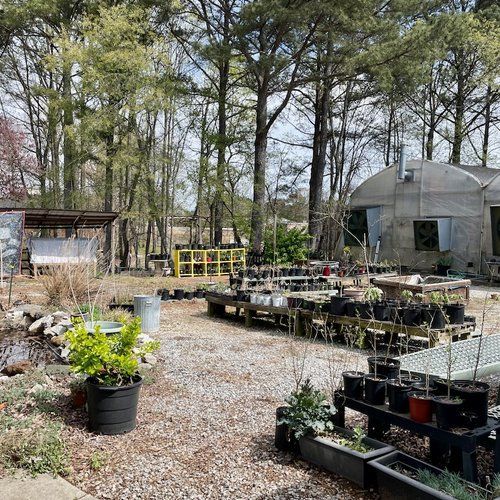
{"x": 68, "y": 285}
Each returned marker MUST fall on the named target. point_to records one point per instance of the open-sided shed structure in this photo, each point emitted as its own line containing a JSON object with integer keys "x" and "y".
{"x": 435, "y": 209}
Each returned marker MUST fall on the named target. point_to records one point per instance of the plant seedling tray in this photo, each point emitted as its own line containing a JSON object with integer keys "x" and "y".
{"x": 463, "y": 359}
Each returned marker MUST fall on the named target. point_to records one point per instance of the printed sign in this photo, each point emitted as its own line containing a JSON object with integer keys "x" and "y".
{"x": 11, "y": 242}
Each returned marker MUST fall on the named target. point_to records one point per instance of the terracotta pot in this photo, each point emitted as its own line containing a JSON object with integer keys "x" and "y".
{"x": 79, "y": 398}
{"x": 420, "y": 407}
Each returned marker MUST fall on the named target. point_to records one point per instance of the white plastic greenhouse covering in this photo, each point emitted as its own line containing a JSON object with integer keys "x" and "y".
{"x": 62, "y": 250}
{"x": 435, "y": 191}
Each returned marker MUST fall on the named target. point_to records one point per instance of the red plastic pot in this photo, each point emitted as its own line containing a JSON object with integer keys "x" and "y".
{"x": 420, "y": 407}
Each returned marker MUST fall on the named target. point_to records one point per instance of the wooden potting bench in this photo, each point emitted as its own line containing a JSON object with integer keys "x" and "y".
{"x": 305, "y": 320}
{"x": 463, "y": 441}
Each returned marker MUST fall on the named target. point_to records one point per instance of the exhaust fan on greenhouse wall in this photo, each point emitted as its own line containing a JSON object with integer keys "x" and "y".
{"x": 363, "y": 224}
{"x": 432, "y": 235}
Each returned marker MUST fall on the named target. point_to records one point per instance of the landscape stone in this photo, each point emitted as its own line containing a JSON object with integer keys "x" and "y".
{"x": 58, "y": 340}
{"x": 18, "y": 368}
{"x": 57, "y": 330}
{"x": 34, "y": 311}
{"x": 41, "y": 324}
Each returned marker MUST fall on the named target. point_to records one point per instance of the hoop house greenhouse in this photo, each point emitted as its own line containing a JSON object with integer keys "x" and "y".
{"x": 423, "y": 210}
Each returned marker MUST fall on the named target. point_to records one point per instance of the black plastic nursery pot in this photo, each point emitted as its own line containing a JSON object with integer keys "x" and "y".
{"x": 408, "y": 379}
{"x": 165, "y": 294}
{"x": 375, "y": 389}
{"x": 112, "y": 410}
{"x": 397, "y": 395}
{"x": 338, "y": 305}
{"x": 199, "y": 294}
{"x": 356, "y": 308}
{"x": 240, "y": 295}
{"x": 455, "y": 313}
{"x": 475, "y": 398}
{"x": 411, "y": 316}
{"x": 284, "y": 440}
{"x": 178, "y": 294}
{"x": 381, "y": 311}
{"x": 353, "y": 384}
{"x": 393, "y": 474}
{"x": 125, "y": 307}
{"x": 434, "y": 316}
{"x": 389, "y": 367}
{"x": 342, "y": 460}
{"x": 189, "y": 295}
{"x": 447, "y": 411}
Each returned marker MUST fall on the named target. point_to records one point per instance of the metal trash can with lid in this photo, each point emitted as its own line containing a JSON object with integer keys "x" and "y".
{"x": 148, "y": 308}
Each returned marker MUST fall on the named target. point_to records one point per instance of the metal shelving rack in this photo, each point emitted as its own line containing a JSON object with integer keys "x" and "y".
{"x": 212, "y": 262}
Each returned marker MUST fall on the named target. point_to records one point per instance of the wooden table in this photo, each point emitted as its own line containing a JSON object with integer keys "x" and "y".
{"x": 217, "y": 307}
{"x": 380, "y": 418}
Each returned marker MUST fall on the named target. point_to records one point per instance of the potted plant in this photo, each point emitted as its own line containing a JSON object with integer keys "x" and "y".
{"x": 433, "y": 313}
{"x": 420, "y": 400}
{"x": 189, "y": 293}
{"x": 338, "y": 450}
{"x": 447, "y": 407}
{"x": 78, "y": 392}
{"x": 443, "y": 265}
{"x": 113, "y": 382}
{"x": 454, "y": 308}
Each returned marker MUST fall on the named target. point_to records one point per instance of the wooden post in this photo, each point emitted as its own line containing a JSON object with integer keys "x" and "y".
{"x": 249, "y": 314}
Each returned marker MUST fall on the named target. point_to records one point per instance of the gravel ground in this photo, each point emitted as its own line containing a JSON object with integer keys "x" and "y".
{"x": 206, "y": 425}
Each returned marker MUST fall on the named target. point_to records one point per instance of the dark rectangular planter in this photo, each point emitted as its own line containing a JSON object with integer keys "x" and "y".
{"x": 394, "y": 485}
{"x": 342, "y": 460}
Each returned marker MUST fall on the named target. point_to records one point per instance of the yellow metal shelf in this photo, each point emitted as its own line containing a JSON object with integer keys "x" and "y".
{"x": 183, "y": 258}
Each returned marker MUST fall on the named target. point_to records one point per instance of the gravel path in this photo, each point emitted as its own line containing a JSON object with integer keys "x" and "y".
{"x": 206, "y": 425}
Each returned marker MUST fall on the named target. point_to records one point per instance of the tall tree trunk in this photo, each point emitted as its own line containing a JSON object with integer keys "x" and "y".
{"x": 459, "y": 117}
{"x": 259, "y": 175}
{"x": 222, "y": 130}
{"x": 68, "y": 141}
{"x": 108, "y": 192}
{"x": 487, "y": 124}
{"x": 320, "y": 142}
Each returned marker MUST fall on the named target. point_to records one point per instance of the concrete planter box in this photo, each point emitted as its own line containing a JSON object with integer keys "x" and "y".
{"x": 343, "y": 460}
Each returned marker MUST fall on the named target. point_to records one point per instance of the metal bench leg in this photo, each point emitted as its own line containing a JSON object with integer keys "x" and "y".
{"x": 469, "y": 464}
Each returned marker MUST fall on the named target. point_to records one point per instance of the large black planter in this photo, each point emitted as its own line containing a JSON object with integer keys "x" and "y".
{"x": 375, "y": 389}
{"x": 381, "y": 311}
{"x": 178, "y": 294}
{"x": 112, "y": 410}
{"x": 199, "y": 294}
{"x": 338, "y": 305}
{"x": 342, "y": 460}
{"x": 394, "y": 484}
{"x": 475, "y": 398}
{"x": 442, "y": 270}
{"x": 165, "y": 294}
{"x": 189, "y": 295}
{"x": 397, "y": 395}
{"x": 353, "y": 384}
{"x": 447, "y": 411}
{"x": 433, "y": 316}
{"x": 358, "y": 309}
{"x": 455, "y": 313}
{"x": 388, "y": 367}
{"x": 411, "y": 316}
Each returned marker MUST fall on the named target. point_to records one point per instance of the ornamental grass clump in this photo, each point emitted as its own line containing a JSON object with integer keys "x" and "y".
{"x": 111, "y": 360}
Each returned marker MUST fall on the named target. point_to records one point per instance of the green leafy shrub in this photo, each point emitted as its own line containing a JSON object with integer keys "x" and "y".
{"x": 110, "y": 359}
{"x": 291, "y": 245}
{"x": 307, "y": 411}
